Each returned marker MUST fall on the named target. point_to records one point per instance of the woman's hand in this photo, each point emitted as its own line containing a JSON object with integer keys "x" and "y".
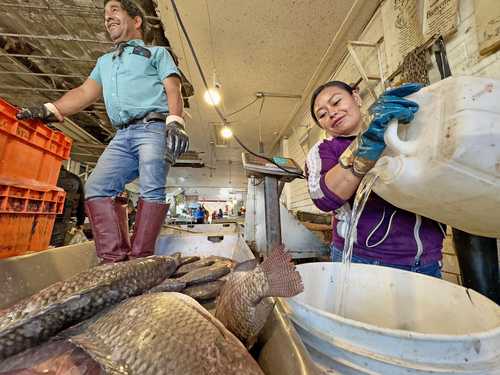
{"x": 366, "y": 149}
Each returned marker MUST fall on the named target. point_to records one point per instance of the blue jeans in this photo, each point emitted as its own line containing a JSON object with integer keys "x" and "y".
{"x": 431, "y": 269}
{"x": 137, "y": 151}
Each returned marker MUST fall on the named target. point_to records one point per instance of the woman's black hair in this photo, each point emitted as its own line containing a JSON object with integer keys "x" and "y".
{"x": 316, "y": 92}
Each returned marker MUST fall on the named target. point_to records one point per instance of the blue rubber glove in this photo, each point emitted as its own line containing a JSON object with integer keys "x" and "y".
{"x": 366, "y": 149}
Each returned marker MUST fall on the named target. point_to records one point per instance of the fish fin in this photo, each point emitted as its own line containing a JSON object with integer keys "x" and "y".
{"x": 247, "y": 265}
{"x": 262, "y": 313}
{"x": 284, "y": 280}
{"x": 100, "y": 353}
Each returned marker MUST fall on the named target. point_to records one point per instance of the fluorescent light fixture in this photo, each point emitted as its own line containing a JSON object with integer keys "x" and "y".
{"x": 212, "y": 97}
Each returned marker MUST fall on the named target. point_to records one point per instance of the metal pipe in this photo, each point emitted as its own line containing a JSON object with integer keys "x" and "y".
{"x": 84, "y": 155}
{"x": 272, "y": 213}
{"x": 26, "y": 6}
{"x": 32, "y": 89}
{"x": 28, "y": 31}
{"x": 84, "y": 47}
{"x": 51, "y": 37}
{"x": 98, "y": 12}
{"x": 45, "y": 74}
{"x": 260, "y": 94}
{"x": 89, "y": 145}
{"x": 68, "y": 127}
{"x": 46, "y": 57}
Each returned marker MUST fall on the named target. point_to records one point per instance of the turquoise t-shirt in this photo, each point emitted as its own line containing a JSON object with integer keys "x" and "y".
{"x": 132, "y": 83}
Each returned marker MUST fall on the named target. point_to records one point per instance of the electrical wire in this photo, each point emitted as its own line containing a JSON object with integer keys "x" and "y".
{"x": 243, "y": 108}
{"x": 217, "y": 109}
{"x": 212, "y": 47}
{"x": 195, "y": 57}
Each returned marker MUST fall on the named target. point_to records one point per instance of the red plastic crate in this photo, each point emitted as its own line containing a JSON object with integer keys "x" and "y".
{"x": 29, "y": 150}
{"x": 27, "y": 215}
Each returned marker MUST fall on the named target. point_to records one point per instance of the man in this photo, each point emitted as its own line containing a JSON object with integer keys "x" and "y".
{"x": 199, "y": 215}
{"x": 142, "y": 93}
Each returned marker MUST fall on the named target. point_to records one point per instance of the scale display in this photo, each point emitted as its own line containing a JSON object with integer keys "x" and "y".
{"x": 256, "y": 166}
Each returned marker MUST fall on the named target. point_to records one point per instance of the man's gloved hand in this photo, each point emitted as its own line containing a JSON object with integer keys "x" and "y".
{"x": 366, "y": 149}
{"x": 176, "y": 137}
{"x": 47, "y": 112}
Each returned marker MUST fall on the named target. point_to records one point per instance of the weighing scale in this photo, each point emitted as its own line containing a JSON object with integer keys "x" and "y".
{"x": 274, "y": 181}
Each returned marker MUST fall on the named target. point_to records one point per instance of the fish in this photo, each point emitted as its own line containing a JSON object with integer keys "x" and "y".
{"x": 218, "y": 258}
{"x": 205, "y": 274}
{"x": 163, "y": 333}
{"x": 60, "y": 305}
{"x": 204, "y": 292}
{"x": 188, "y": 260}
{"x": 193, "y": 266}
{"x": 243, "y": 306}
{"x": 168, "y": 285}
{"x": 226, "y": 261}
{"x": 54, "y": 357}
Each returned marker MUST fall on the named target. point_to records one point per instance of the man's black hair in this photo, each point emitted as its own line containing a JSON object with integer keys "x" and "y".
{"x": 132, "y": 10}
{"x": 339, "y": 84}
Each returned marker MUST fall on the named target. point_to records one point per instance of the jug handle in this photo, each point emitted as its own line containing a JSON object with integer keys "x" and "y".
{"x": 392, "y": 140}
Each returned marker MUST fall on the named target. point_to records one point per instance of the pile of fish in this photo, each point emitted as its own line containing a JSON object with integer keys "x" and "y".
{"x": 152, "y": 333}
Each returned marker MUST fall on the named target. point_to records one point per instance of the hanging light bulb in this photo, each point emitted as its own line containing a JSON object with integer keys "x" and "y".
{"x": 226, "y": 132}
{"x": 212, "y": 97}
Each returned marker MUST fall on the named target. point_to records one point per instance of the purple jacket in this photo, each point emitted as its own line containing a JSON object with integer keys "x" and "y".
{"x": 384, "y": 232}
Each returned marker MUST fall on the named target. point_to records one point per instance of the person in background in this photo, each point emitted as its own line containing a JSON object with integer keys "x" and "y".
{"x": 205, "y": 211}
{"x": 386, "y": 235}
{"x": 74, "y": 206}
{"x": 142, "y": 92}
{"x": 199, "y": 215}
{"x": 220, "y": 215}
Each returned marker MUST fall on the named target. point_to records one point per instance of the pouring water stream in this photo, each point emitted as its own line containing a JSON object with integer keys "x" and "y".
{"x": 362, "y": 194}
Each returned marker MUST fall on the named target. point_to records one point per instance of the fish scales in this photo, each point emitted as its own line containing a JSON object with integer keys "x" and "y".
{"x": 205, "y": 274}
{"x": 164, "y": 333}
{"x": 242, "y": 305}
{"x": 204, "y": 262}
{"x": 204, "y": 291}
{"x": 188, "y": 259}
{"x": 168, "y": 285}
{"x": 64, "y": 303}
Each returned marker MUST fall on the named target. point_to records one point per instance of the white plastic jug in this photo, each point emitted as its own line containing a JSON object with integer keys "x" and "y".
{"x": 445, "y": 164}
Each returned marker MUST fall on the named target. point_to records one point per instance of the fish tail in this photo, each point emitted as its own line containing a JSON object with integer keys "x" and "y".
{"x": 283, "y": 279}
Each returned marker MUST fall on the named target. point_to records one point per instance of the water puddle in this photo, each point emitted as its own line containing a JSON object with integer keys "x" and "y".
{"x": 362, "y": 194}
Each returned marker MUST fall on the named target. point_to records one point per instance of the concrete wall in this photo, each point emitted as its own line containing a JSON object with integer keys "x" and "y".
{"x": 463, "y": 55}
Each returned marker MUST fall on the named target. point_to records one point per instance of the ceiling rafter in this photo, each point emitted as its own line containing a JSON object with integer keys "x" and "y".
{"x": 68, "y": 126}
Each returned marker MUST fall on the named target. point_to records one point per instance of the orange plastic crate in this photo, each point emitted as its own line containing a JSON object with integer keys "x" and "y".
{"x": 29, "y": 150}
{"x": 27, "y": 215}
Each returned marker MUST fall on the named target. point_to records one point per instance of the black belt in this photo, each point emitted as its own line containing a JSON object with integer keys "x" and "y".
{"x": 150, "y": 117}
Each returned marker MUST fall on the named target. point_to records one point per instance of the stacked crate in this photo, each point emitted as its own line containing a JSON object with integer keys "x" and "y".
{"x": 30, "y": 159}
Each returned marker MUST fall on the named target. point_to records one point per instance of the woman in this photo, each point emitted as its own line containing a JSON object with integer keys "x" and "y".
{"x": 386, "y": 235}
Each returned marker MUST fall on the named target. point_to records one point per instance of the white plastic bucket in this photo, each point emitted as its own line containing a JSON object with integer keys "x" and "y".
{"x": 445, "y": 164}
{"x": 396, "y": 322}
